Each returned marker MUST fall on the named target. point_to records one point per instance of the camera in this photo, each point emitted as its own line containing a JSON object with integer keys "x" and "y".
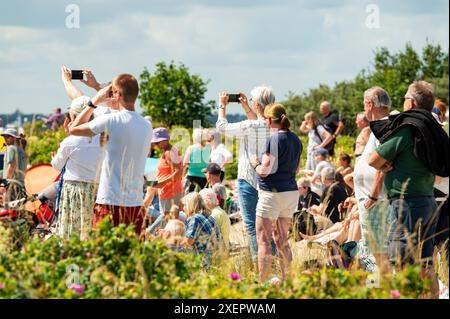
{"x": 234, "y": 98}
{"x": 77, "y": 74}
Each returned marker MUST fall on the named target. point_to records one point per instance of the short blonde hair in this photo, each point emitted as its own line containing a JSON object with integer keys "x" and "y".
{"x": 193, "y": 204}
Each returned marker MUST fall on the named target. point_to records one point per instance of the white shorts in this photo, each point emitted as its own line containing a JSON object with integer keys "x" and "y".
{"x": 275, "y": 205}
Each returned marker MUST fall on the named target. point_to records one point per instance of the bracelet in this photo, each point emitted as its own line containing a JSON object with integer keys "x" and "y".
{"x": 373, "y": 198}
{"x": 256, "y": 166}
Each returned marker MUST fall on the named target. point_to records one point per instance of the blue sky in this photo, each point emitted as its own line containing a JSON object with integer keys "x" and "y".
{"x": 290, "y": 45}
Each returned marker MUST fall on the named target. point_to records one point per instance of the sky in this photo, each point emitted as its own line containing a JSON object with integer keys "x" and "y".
{"x": 235, "y": 45}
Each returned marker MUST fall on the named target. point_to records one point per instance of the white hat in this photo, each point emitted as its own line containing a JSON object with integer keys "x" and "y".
{"x": 78, "y": 105}
{"x": 11, "y": 132}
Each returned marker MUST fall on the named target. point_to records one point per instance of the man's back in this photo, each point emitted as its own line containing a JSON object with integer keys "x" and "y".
{"x": 122, "y": 176}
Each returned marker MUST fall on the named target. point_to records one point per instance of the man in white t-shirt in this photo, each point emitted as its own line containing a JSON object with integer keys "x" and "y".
{"x": 120, "y": 192}
{"x": 368, "y": 184}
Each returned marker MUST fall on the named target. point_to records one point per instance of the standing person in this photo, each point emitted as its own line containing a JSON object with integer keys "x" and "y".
{"x": 120, "y": 192}
{"x": 213, "y": 173}
{"x": 81, "y": 157}
{"x": 331, "y": 122}
{"x": 196, "y": 159}
{"x": 363, "y": 137}
{"x": 408, "y": 152}
{"x": 219, "y": 153}
{"x": 169, "y": 171}
{"x": 278, "y": 193}
{"x": 14, "y": 165}
{"x": 55, "y": 120}
{"x": 252, "y": 135}
{"x": 368, "y": 184}
{"x": 318, "y": 137}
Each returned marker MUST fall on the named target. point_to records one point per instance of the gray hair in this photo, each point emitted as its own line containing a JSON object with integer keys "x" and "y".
{"x": 378, "y": 96}
{"x": 362, "y": 116}
{"x": 422, "y": 93}
{"x": 263, "y": 95}
{"x": 329, "y": 173}
{"x": 327, "y": 104}
{"x": 197, "y": 135}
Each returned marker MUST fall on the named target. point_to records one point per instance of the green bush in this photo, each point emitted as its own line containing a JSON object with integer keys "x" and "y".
{"x": 115, "y": 264}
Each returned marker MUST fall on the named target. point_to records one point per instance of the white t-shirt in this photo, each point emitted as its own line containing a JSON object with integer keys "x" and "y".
{"x": 364, "y": 174}
{"x": 82, "y": 156}
{"x": 220, "y": 154}
{"x": 122, "y": 175}
{"x": 313, "y": 138}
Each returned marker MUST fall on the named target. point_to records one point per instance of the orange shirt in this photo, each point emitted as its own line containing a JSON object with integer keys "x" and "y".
{"x": 172, "y": 188}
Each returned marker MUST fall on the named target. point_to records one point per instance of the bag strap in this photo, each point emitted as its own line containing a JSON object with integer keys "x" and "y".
{"x": 58, "y": 194}
{"x": 318, "y": 135}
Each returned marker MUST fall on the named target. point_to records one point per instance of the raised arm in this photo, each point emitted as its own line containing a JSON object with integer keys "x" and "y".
{"x": 72, "y": 91}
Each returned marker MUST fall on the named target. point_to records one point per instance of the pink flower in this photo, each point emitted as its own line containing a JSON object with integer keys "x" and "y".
{"x": 395, "y": 294}
{"x": 77, "y": 288}
{"x": 307, "y": 272}
{"x": 88, "y": 255}
{"x": 234, "y": 276}
{"x": 2, "y": 285}
{"x": 36, "y": 269}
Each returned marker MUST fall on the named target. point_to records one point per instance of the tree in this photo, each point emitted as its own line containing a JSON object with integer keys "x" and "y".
{"x": 393, "y": 72}
{"x": 172, "y": 96}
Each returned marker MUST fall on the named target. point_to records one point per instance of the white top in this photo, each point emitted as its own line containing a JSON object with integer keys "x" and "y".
{"x": 122, "y": 176}
{"x": 441, "y": 184}
{"x": 82, "y": 156}
{"x": 313, "y": 139}
{"x": 220, "y": 155}
{"x": 364, "y": 174}
{"x": 252, "y": 135}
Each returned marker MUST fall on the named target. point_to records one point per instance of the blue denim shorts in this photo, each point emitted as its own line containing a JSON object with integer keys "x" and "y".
{"x": 412, "y": 226}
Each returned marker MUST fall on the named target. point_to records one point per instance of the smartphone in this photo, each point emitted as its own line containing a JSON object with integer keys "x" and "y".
{"x": 77, "y": 74}
{"x": 234, "y": 98}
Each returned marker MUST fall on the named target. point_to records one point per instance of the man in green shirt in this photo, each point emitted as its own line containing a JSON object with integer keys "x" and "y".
{"x": 409, "y": 185}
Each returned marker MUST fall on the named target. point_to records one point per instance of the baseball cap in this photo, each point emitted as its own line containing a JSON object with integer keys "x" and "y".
{"x": 304, "y": 182}
{"x": 212, "y": 168}
{"x": 10, "y": 132}
{"x": 321, "y": 151}
{"x": 160, "y": 134}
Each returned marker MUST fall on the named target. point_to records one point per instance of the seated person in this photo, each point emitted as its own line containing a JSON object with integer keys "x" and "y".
{"x": 162, "y": 219}
{"x": 307, "y": 197}
{"x": 333, "y": 195}
{"x": 173, "y": 235}
{"x": 320, "y": 157}
{"x": 344, "y": 162}
{"x": 202, "y": 234}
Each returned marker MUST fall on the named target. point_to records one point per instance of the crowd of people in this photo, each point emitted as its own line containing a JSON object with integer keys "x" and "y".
{"x": 387, "y": 209}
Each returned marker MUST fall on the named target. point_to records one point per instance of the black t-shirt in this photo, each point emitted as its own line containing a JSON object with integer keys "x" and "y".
{"x": 331, "y": 122}
{"x": 333, "y": 195}
{"x": 308, "y": 201}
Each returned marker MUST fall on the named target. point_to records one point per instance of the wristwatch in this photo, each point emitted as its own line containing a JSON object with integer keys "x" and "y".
{"x": 221, "y": 106}
{"x": 90, "y": 104}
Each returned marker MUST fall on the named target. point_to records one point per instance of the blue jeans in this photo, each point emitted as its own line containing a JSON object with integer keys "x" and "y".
{"x": 412, "y": 221}
{"x": 248, "y": 198}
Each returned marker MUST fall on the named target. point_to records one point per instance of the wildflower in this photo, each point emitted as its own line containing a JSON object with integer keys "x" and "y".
{"x": 234, "y": 276}
{"x": 2, "y": 285}
{"x": 36, "y": 269}
{"x": 274, "y": 281}
{"x": 395, "y": 294}
{"x": 77, "y": 288}
{"x": 88, "y": 255}
{"x": 307, "y": 272}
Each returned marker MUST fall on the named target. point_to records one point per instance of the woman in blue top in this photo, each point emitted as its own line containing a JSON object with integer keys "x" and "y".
{"x": 195, "y": 160}
{"x": 277, "y": 189}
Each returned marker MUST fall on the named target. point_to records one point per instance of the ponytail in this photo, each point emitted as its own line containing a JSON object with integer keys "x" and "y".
{"x": 277, "y": 113}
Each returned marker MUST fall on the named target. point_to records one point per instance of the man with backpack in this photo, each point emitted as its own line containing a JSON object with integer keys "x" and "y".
{"x": 332, "y": 124}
